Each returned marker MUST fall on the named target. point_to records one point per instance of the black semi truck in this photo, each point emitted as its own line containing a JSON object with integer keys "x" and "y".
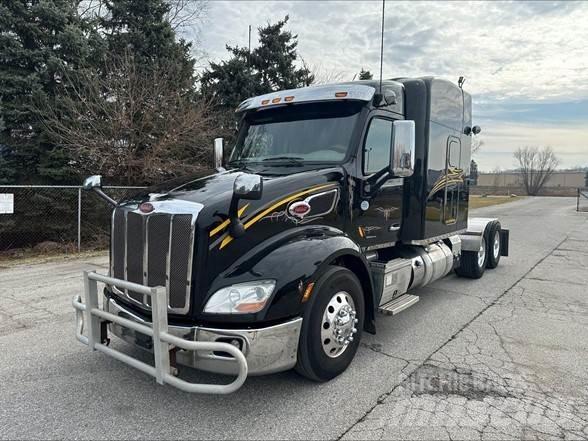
{"x": 337, "y": 200}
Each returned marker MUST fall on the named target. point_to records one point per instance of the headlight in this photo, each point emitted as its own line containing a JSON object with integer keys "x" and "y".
{"x": 242, "y": 298}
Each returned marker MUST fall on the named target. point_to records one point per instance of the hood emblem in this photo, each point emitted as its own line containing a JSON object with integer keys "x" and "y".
{"x": 146, "y": 207}
{"x": 299, "y": 209}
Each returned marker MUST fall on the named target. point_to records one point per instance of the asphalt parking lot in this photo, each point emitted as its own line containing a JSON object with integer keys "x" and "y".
{"x": 500, "y": 357}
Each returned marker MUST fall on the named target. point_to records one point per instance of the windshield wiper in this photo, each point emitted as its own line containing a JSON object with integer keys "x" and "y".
{"x": 291, "y": 160}
{"x": 239, "y": 163}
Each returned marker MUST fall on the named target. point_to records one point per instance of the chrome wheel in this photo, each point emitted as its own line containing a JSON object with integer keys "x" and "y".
{"x": 482, "y": 254}
{"x": 496, "y": 245}
{"x": 338, "y": 325}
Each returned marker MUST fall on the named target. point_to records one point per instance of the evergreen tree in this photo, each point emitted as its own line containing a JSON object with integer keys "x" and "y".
{"x": 38, "y": 41}
{"x": 142, "y": 28}
{"x": 271, "y": 66}
{"x": 229, "y": 82}
{"x": 365, "y": 75}
{"x": 275, "y": 57}
{"x": 135, "y": 116}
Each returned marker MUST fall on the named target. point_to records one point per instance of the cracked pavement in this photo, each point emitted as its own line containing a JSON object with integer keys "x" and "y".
{"x": 500, "y": 357}
{"x": 518, "y": 370}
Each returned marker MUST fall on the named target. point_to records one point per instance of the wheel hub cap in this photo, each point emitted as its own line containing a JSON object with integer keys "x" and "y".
{"x": 496, "y": 247}
{"x": 482, "y": 254}
{"x": 338, "y": 325}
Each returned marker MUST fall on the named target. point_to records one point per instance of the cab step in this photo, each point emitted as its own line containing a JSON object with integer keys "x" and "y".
{"x": 398, "y": 304}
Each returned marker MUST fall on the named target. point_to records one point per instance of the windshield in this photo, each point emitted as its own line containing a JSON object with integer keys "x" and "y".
{"x": 306, "y": 133}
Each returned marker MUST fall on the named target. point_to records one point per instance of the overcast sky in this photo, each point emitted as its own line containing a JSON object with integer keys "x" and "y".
{"x": 526, "y": 63}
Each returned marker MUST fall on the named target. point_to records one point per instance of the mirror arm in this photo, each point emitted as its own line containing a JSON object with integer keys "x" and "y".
{"x": 104, "y": 196}
{"x": 236, "y": 227}
{"x": 378, "y": 179}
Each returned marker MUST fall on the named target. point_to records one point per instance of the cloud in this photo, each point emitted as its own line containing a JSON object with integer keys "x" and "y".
{"x": 526, "y": 63}
{"x": 523, "y": 50}
{"x": 502, "y": 138}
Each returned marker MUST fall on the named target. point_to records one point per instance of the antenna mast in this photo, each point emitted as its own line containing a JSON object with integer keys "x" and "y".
{"x": 382, "y": 45}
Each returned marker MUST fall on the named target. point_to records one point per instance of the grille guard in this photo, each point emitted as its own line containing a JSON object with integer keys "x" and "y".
{"x": 90, "y": 313}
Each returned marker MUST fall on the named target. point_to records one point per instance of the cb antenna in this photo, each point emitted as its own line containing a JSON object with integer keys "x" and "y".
{"x": 382, "y": 45}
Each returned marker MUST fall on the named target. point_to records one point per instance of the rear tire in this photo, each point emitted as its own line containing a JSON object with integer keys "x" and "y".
{"x": 473, "y": 263}
{"x": 337, "y": 304}
{"x": 493, "y": 250}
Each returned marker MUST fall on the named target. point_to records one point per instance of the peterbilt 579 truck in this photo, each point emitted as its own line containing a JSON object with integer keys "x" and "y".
{"x": 336, "y": 202}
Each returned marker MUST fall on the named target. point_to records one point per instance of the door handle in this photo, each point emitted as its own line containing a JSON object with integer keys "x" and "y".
{"x": 394, "y": 227}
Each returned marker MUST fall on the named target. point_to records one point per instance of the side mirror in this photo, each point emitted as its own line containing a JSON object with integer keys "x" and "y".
{"x": 248, "y": 186}
{"x": 403, "y": 145}
{"x": 218, "y": 153}
{"x": 92, "y": 182}
{"x": 476, "y": 130}
{"x": 95, "y": 183}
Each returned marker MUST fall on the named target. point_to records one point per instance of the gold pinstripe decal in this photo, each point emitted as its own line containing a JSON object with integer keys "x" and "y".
{"x": 454, "y": 176}
{"x": 228, "y": 239}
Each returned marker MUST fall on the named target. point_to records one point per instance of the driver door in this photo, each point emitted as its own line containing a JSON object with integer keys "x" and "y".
{"x": 378, "y": 224}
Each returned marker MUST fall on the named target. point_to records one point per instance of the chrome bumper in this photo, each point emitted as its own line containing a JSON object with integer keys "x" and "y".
{"x": 259, "y": 351}
{"x": 267, "y": 350}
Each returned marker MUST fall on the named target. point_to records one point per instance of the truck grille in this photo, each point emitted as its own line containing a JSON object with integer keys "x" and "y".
{"x": 154, "y": 249}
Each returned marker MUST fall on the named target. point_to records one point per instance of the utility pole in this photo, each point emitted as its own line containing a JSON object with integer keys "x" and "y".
{"x": 249, "y": 53}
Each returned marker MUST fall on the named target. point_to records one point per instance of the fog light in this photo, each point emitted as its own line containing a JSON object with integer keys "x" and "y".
{"x": 236, "y": 342}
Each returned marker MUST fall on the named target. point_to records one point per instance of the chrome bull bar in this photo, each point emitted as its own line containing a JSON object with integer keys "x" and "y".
{"x": 90, "y": 313}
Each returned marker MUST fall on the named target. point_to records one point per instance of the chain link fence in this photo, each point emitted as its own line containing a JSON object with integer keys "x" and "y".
{"x": 48, "y": 218}
{"x": 582, "y": 199}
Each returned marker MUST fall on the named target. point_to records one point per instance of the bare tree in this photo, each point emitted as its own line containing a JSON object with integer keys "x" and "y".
{"x": 477, "y": 144}
{"x": 181, "y": 14}
{"x": 321, "y": 75}
{"x": 134, "y": 124}
{"x": 186, "y": 13}
{"x": 536, "y": 166}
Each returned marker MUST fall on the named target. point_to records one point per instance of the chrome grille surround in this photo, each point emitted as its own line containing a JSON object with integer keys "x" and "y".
{"x": 157, "y": 249}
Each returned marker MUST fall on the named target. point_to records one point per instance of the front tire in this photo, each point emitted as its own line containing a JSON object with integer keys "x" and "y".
{"x": 331, "y": 329}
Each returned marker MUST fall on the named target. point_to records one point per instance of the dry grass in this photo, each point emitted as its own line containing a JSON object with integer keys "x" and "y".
{"x": 486, "y": 201}
{"x": 31, "y": 256}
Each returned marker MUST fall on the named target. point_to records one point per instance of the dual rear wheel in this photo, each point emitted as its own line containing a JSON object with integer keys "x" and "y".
{"x": 474, "y": 263}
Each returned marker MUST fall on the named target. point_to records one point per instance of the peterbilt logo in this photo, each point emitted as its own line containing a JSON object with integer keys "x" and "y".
{"x": 299, "y": 209}
{"x": 146, "y": 207}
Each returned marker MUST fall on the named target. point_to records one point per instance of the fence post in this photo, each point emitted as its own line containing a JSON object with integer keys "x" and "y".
{"x": 578, "y": 200}
{"x": 79, "y": 219}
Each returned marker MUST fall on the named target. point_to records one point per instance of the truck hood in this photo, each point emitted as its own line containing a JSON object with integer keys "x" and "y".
{"x": 216, "y": 190}
{"x": 263, "y": 219}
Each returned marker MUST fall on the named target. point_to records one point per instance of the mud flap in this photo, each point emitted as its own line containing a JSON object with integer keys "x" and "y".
{"x": 504, "y": 239}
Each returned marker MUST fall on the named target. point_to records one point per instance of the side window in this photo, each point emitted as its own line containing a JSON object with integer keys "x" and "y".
{"x": 453, "y": 154}
{"x": 376, "y": 149}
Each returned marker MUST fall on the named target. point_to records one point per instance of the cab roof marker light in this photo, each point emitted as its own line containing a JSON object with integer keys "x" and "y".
{"x": 360, "y": 92}
{"x": 276, "y": 100}
{"x": 340, "y": 94}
